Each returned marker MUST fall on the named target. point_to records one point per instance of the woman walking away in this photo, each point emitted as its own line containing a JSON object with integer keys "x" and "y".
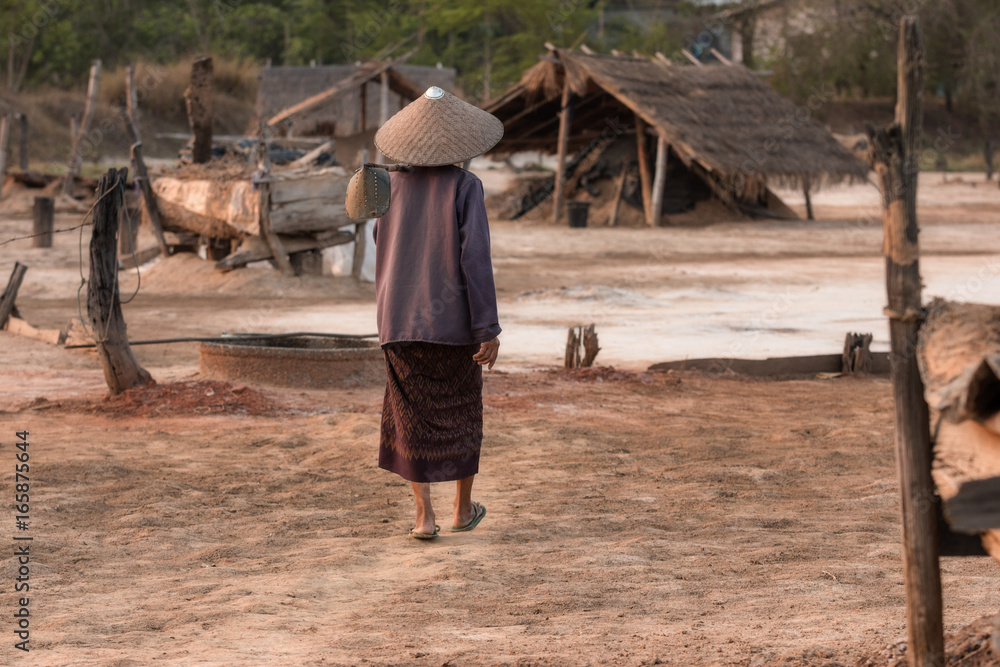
{"x": 437, "y": 311}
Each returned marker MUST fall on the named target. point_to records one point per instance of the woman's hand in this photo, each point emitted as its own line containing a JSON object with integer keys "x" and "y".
{"x": 487, "y": 354}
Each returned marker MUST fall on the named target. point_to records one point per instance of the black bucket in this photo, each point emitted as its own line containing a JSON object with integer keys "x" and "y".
{"x": 577, "y": 212}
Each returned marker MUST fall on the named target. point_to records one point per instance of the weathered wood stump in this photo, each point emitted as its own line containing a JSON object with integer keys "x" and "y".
{"x": 857, "y": 355}
{"x": 585, "y": 338}
{"x": 104, "y": 310}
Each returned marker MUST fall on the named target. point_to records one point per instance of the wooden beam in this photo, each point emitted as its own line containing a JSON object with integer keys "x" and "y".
{"x": 895, "y": 154}
{"x": 199, "y": 98}
{"x": 383, "y": 108}
{"x": 360, "y": 243}
{"x": 141, "y": 176}
{"x": 690, "y": 56}
{"x": 365, "y": 74}
{"x": 642, "y": 154}
{"x": 5, "y": 128}
{"x": 663, "y": 59}
{"x": 565, "y": 120}
{"x": 264, "y": 204}
{"x": 23, "y": 161}
{"x": 721, "y": 58}
{"x": 805, "y": 192}
{"x": 619, "y": 189}
{"x": 75, "y": 156}
{"x": 121, "y": 370}
{"x": 659, "y": 183}
{"x": 10, "y": 293}
{"x": 131, "y": 94}
{"x": 363, "y": 119}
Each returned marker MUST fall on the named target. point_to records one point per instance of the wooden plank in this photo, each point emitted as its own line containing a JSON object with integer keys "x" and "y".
{"x": 121, "y": 370}
{"x": 361, "y": 76}
{"x": 895, "y": 153}
{"x": 565, "y": 120}
{"x": 659, "y": 183}
{"x": 199, "y": 99}
{"x": 75, "y": 156}
{"x": 19, "y": 327}
{"x": 311, "y": 156}
{"x": 10, "y": 292}
{"x": 360, "y": 245}
{"x": 772, "y": 367}
{"x": 619, "y": 190}
{"x": 642, "y": 155}
{"x": 255, "y": 249}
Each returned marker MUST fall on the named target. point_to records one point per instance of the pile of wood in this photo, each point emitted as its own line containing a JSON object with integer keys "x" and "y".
{"x": 306, "y": 209}
{"x": 959, "y": 356}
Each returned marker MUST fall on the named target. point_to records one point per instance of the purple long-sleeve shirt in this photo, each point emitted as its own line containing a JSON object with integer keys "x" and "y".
{"x": 433, "y": 275}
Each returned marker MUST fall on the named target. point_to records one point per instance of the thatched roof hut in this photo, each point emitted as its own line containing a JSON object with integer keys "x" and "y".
{"x": 721, "y": 122}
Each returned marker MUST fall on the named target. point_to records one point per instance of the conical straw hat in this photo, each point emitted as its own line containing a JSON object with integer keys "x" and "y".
{"x": 438, "y": 129}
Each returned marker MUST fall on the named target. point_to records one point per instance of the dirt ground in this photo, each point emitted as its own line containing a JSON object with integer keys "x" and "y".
{"x": 634, "y": 518}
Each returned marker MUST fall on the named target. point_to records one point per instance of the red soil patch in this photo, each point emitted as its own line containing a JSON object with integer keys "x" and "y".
{"x": 205, "y": 397}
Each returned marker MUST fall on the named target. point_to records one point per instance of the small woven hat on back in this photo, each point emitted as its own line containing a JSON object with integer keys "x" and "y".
{"x": 438, "y": 129}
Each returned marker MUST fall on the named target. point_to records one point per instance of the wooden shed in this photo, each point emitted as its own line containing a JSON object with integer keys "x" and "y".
{"x": 720, "y": 123}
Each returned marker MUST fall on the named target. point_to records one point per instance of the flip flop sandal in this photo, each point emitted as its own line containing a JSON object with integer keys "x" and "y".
{"x": 426, "y": 536}
{"x": 480, "y": 513}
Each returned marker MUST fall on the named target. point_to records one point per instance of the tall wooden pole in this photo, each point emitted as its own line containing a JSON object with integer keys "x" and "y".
{"x": 264, "y": 202}
{"x": 141, "y": 174}
{"x": 201, "y": 108}
{"x": 23, "y": 157}
{"x": 895, "y": 151}
{"x": 642, "y": 154}
{"x": 75, "y": 156}
{"x": 104, "y": 309}
{"x": 383, "y": 108}
{"x": 8, "y": 120}
{"x": 565, "y": 120}
{"x": 659, "y": 183}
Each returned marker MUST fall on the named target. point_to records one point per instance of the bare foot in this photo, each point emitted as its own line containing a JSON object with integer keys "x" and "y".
{"x": 468, "y": 515}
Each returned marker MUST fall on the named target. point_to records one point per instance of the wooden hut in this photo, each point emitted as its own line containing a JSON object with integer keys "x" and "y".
{"x": 719, "y": 123}
{"x": 346, "y": 102}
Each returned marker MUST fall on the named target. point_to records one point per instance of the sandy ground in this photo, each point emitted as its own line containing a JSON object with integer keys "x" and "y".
{"x": 633, "y": 518}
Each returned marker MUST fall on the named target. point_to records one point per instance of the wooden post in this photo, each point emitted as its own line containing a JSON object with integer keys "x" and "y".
{"x": 8, "y": 120}
{"x": 141, "y": 175}
{"x": 44, "y": 215}
{"x": 10, "y": 293}
{"x": 642, "y": 154}
{"x": 75, "y": 156}
{"x": 895, "y": 153}
{"x": 565, "y": 120}
{"x": 619, "y": 189}
{"x": 131, "y": 95}
{"x": 23, "y": 157}
{"x": 360, "y": 241}
{"x": 383, "y": 110}
{"x": 363, "y": 119}
{"x": 806, "y": 185}
{"x": 121, "y": 370}
{"x": 659, "y": 183}
{"x": 200, "y": 108}
{"x": 264, "y": 202}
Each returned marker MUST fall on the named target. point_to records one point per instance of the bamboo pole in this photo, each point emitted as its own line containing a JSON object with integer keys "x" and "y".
{"x": 75, "y": 157}
{"x": 659, "y": 183}
{"x": 565, "y": 120}
{"x": 642, "y": 154}
{"x": 895, "y": 151}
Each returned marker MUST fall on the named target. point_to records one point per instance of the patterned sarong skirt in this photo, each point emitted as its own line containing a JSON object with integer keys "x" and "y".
{"x": 432, "y": 414}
